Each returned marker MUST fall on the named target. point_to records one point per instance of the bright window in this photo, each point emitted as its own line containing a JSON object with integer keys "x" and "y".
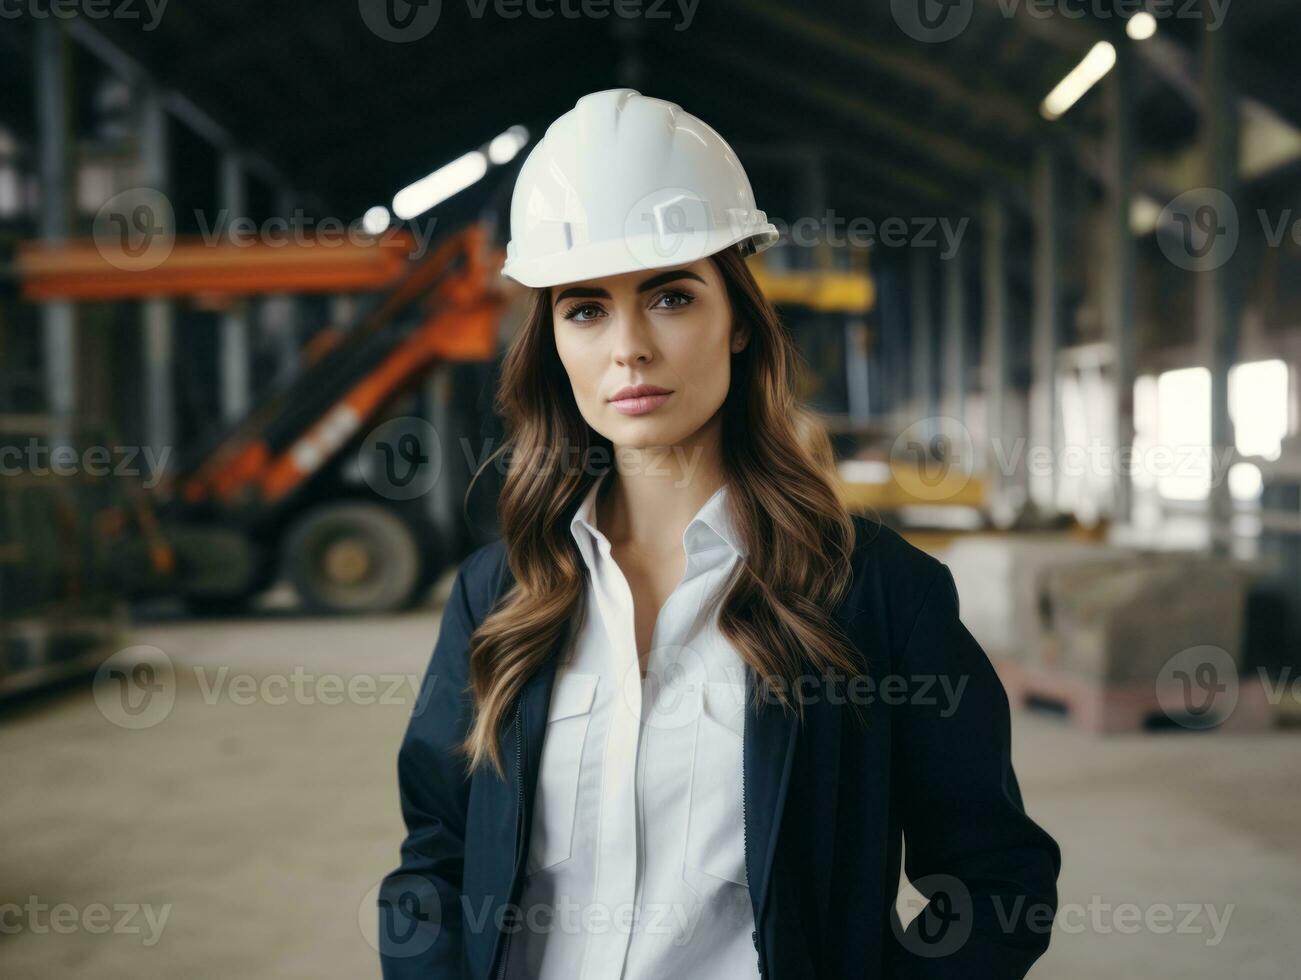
{"x": 1258, "y": 407}
{"x": 1181, "y": 458}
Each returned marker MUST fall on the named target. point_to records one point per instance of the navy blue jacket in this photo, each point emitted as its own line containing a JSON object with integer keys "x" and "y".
{"x": 828, "y": 804}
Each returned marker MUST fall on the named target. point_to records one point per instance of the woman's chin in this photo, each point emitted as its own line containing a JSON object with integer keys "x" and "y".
{"x": 643, "y": 432}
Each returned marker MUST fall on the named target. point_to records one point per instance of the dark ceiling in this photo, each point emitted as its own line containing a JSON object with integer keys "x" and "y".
{"x": 351, "y": 117}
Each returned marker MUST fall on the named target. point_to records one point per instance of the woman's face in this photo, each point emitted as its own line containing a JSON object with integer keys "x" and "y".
{"x": 666, "y": 328}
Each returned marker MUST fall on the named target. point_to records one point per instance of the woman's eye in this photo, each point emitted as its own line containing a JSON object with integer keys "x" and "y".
{"x": 674, "y": 300}
{"x": 580, "y": 312}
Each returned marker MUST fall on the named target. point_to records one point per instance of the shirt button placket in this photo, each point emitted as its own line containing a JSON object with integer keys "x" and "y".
{"x": 617, "y": 835}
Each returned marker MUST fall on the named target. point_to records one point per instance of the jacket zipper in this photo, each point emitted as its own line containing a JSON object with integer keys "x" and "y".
{"x": 519, "y": 823}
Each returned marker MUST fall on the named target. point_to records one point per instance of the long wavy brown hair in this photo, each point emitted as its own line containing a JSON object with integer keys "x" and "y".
{"x": 777, "y": 610}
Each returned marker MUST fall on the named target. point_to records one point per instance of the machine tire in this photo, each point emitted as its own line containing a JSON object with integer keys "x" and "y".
{"x": 219, "y": 607}
{"x": 353, "y": 558}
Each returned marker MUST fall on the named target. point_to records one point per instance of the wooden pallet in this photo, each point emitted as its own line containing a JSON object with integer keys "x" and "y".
{"x": 1103, "y": 708}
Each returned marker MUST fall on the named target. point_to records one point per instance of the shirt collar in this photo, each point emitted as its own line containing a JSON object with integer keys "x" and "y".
{"x": 712, "y": 526}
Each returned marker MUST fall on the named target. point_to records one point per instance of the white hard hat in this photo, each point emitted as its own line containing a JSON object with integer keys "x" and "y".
{"x": 623, "y": 182}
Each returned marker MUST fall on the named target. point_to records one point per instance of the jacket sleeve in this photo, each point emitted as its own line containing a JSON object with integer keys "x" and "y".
{"x": 420, "y": 901}
{"x": 989, "y": 872}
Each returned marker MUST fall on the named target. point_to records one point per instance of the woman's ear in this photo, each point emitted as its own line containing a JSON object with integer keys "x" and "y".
{"x": 740, "y": 337}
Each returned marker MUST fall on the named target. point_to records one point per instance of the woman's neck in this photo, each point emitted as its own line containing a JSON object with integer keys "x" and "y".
{"x": 651, "y": 495}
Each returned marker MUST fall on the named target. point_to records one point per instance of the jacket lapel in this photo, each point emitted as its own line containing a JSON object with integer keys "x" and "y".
{"x": 768, "y": 753}
{"x": 535, "y": 703}
{"x": 771, "y": 736}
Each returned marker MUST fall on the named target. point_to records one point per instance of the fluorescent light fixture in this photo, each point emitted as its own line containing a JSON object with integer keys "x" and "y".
{"x": 504, "y": 147}
{"x": 1144, "y": 215}
{"x": 1141, "y": 26}
{"x": 376, "y": 220}
{"x": 1100, "y": 60}
{"x": 430, "y": 191}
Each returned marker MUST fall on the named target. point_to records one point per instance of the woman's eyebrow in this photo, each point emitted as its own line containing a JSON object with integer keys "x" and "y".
{"x": 596, "y": 292}
{"x": 591, "y": 292}
{"x": 669, "y": 276}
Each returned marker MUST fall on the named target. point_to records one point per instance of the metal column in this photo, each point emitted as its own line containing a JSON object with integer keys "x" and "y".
{"x": 922, "y": 328}
{"x": 279, "y": 311}
{"x": 1118, "y": 270}
{"x": 858, "y": 343}
{"x": 891, "y": 352}
{"x": 955, "y": 333}
{"x": 1217, "y": 309}
{"x": 58, "y": 320}
{"x": 1047, "y": 321}
{"x": 995, "y": 327}
{"x": 157, "y": 313}
{"x": 236, "y": 355}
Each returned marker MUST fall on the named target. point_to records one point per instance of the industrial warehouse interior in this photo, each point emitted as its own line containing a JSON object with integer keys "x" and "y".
{"x": 1041, "y": 262}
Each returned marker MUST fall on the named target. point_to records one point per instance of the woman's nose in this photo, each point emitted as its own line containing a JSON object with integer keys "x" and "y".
{"x": 632, "y": 341}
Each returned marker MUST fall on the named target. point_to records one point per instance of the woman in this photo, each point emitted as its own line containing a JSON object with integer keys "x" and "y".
{"x": 681, "y": 718}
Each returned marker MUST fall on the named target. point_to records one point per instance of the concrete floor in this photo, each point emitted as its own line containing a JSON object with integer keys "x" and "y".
{"x": 262, "y": 829}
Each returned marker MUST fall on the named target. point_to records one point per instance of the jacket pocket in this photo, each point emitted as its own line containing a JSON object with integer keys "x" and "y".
{"x": 715, "y": 842}
{"x": 555, "y": 803}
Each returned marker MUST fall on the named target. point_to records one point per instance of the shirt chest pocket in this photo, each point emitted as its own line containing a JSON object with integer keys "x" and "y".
{"x": 556, "y": 799}
{"x": 715, "y": 841}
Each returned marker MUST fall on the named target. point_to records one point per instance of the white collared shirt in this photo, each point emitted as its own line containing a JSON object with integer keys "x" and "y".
{"x": 636, "y": 865}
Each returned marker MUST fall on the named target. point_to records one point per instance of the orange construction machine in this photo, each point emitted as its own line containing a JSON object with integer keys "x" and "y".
{"x": 315, "y": 482}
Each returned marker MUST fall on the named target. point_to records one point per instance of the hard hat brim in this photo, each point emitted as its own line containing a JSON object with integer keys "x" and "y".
{"x": 631, "y": 254}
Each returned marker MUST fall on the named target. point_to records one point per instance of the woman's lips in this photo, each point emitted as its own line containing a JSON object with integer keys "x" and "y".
{"x": 640, "y": 404}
